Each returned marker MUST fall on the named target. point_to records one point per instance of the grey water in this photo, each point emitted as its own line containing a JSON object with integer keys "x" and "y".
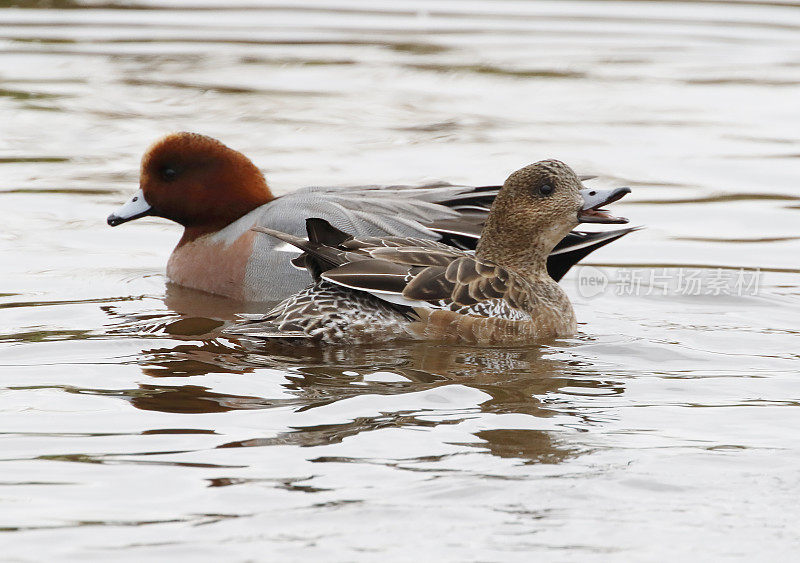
{"x": 667, "y": 428}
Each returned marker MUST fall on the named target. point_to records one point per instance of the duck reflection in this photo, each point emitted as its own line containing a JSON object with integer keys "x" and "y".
{"x": 195, "y": 399}
{"x": 517, "y": 381}
{"x": 534, "y": 446}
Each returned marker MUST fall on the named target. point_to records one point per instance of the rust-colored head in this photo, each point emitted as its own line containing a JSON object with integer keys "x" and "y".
{"x": 197, "y": 182}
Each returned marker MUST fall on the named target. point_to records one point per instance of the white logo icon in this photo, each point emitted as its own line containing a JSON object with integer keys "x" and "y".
{"x": 591, "y": 281}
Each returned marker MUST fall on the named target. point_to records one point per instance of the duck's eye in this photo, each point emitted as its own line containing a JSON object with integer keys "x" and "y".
{"x": 168, "y": 173}
{"x": 546, "y": 189}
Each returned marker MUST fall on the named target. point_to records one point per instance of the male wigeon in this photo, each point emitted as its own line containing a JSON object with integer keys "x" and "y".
{"x": 218, "y": 195}
{"x": 376, "y": 289}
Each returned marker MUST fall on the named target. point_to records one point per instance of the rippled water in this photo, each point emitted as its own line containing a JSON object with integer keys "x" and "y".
{"x": 667, "y": 428}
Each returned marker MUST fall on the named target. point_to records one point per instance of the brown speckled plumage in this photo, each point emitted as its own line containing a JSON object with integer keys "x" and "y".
{"x": 375, "y": 289}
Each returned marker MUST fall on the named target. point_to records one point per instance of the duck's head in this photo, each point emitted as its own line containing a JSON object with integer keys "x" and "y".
{"x": 195, "y": 181}
{"x": 536, "y": 208}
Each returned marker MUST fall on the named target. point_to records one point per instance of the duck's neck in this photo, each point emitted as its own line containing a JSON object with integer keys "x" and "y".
{"x": 527, "y": 255}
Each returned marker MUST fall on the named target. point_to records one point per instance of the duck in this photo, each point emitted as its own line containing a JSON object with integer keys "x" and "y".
{"x": 378, "y": 289}
{"x": 218, "y": 195}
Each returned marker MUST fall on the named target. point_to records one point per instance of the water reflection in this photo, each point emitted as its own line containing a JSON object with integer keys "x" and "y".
{"x": 511, "y": 381}
{"x": 534, "y": 446}
{"x": 195, "y": 399}
{"x": 513, "y": 377}
{"x": 325, "y": 434}
{"x": 187, "y": 360}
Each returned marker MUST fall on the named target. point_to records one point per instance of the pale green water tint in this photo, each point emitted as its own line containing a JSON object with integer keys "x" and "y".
{"x": 667, "y": 428}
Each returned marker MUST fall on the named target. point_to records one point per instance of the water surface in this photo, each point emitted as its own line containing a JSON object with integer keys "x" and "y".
{"x": 666, "y": 428}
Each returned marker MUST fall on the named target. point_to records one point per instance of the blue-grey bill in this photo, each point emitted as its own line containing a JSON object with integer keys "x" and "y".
{"x": 594, "y": 199}
{"x": 134, "y": 208}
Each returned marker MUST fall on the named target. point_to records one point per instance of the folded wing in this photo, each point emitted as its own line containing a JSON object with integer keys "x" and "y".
{"x": 453, "y": 215}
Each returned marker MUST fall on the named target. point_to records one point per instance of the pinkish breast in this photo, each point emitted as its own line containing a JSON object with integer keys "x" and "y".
{"x": 214, "y": 267}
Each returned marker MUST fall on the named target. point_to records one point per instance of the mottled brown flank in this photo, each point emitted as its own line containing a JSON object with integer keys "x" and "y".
{"x": 452, "y": 327}
{"x": 214, "y": 184}
{"x": 325, "y": 312}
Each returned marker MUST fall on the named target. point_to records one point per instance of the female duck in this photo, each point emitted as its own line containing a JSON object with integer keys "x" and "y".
{"x": 375, "y": 289}
{"x": 217, "y": 194}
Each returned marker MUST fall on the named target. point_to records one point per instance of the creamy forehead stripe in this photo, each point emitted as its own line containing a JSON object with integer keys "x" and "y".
{"x": 133, "y": 207}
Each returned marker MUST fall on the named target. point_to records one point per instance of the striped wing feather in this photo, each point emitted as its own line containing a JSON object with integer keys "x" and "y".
{"x": 444, "y": 278}
{"x": 372, "y": 276}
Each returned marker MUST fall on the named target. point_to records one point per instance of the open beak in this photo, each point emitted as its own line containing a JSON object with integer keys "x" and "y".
{"x": 134, "y": 208}
{"x": 593, "y": 200}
